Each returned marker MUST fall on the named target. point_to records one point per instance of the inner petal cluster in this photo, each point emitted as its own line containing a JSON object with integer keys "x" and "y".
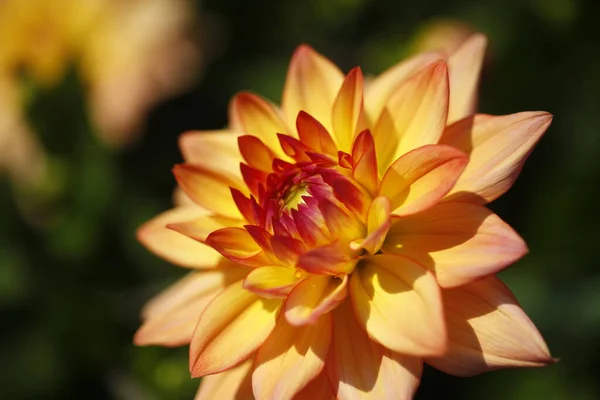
{"x": 305, "y": 210}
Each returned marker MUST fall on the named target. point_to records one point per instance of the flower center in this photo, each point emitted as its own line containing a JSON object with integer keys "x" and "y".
{"x": 293, "y": 198}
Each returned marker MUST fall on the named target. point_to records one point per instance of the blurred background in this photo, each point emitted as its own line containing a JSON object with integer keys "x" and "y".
{"x": 93, "y": 95}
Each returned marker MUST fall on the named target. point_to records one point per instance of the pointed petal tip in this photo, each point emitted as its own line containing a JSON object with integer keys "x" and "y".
{"x": 544, "y": 118}
{"x": 356, "y": 71}
{"x": 303, "y": 49}
{"x": 477, "y": 39}
{"x": 439, "y": 65}
{"x": 139, "y": 337}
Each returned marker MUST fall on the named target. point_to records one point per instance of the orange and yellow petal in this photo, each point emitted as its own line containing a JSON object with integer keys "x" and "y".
{"x": 312, "y": 84}
{"x": 364, "y": 160}
{"x": 379, "y": 222}
{"x": 173, "y": 246}
{"x": 314, "y": 297}
{"x": 487, "y": 330}
{"x": 232, "y": 327}
{"x": 399, "y": 304}
{"x": 458, "y": 241}
{"x": 215, "y": 150}
{"x": 235, "y": 383}
{"x": 199, "y": 228}
{"x": 237, "y": 245}
{"x": 361, "y": 369}
{"x": 170, "y": 317}
{"x": 422, "y": 177}
{"x": 464, "y": 67}
{"x": 418, "y": 112}
{"x": 209, "y": 188}
{"x": 253, "y": 115}
{"x": 379, "y": 90}
{"x": 347, "y": 117}
{"x": 271, "y": 281}
{"x": 290, "y": 359}
{"x": 498, "y": 147}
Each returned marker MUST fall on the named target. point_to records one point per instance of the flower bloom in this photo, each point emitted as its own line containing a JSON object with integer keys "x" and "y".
{"x": 129, "y": 54}
{"x": 340, "y": 241}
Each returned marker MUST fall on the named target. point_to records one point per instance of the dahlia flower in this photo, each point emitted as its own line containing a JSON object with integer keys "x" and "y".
{"x": 341, "y": 240}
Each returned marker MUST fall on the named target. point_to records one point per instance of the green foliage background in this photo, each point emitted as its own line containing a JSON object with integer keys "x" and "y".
{"x": 70, "y": 295}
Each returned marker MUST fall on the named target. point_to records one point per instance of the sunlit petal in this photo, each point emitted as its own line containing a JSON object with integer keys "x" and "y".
{"x": 251, "y": 114}
{"x": 399, "y": 304}
{"x": 487, "y": 329}
{"x": 209, "y": 188}
{"x": 464, "y": 67}
{"x": 312, "y": 85}
{"x": 290, "y": 358}
{"x": 497, "y": 147}
{"x": 418, "y": 109}
{"x": 235, "y": 383}
{"x": 360, "y": 368}
{"x": 173, "y": 246}
{"x": 314, "y": 297}
{"x": 170, "y": 317}
{"x": 459, "y": 242}
{"x": 347, "y": 117}
{"x": 215, "y": 150}
{"x": 233, "y": 326}
{"x": 419, "y": 179}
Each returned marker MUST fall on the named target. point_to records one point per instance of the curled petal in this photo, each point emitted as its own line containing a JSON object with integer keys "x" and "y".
{"x": 256, "y": 153}
{"x": 235, "y": 383}
{"x": 364, "y": 160}
{"x": 331, "y": 259}
{"x": 399, "y": 304}
{"x": 313, "y": 297}
{"x": 272, "y": 281}
{"x": 215, "y": 150}
{"x": 254, "y": 115}
{"x": 360, "y": 368}
{"x": 309, "y": 231}
{"x": 287, "y": 249}
{"x": 348, "y": 110}
{"x": 422, "y": 177}
{"x": 233, "y": 326}
{"x": 173, "y": 246}
{"x": 378, "y": 223}
{"x": 341, "y": 224}
{"x": 246, "y": 205}
{"x": 237, "y": 245}
{"x": 487, "y": 330}
{"x": 313, "y": 134}
{"x": 498, "y": 147}
{"x": 353, "y": 196}
{"x": 386, "y": 141}
{"x": 254, "y": 178}
{"x": 170, "y": 317}
{"x": 200, "y": 228}
{"x": 293, "y": 147}
{"x": 208, "y": 188}
{"x": 458, "y": 241}
{"x": 464, "y": 67}
{"x": 419, "y": 110}
{"x": 290, "y": 359}
{"x": 311, "y": 85}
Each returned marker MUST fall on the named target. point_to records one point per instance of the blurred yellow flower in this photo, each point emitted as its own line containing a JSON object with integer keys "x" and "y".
{"x": 443, "y": 35}
{"x": 342, "y": 240}
{"x": 129, "y": 54}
